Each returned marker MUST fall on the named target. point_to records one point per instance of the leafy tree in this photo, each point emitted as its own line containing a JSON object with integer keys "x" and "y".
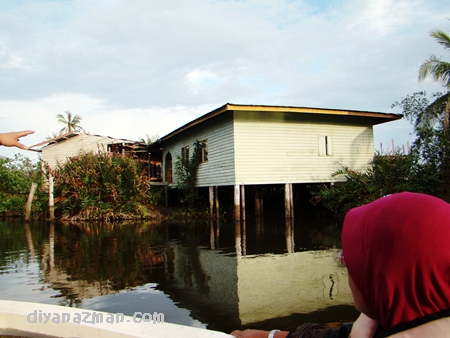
{"x": 71, "y": 122}
{"x": 16, "y": 176}
{"x": 186, "y": 171}
{"x": 430, "y": 149}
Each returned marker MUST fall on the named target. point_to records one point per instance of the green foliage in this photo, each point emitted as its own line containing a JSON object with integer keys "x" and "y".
{"x": 102, "y": 186}
{"x": 186, "y": 171}
{"x": 386, "y": 175}
{"x": 431, "y": 148}
{"x": 16, "y": 176}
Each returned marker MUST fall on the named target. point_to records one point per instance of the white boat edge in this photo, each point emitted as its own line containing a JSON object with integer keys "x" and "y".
{"x": 22, "y": 318}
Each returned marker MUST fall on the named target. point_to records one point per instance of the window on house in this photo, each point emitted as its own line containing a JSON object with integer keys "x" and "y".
{"x": 185, "y": 153}
{"x": 204, "y": 151}
{"x": 325, "y": 146}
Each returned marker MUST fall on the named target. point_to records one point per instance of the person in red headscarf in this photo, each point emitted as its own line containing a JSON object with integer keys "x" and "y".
{"x": 397, "y": 253}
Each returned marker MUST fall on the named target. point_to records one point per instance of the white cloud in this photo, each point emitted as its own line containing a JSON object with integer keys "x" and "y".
{"x": 132, "y": 68}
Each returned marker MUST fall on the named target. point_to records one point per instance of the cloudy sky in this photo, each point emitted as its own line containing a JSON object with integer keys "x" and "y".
{"x": 135, "y": 67}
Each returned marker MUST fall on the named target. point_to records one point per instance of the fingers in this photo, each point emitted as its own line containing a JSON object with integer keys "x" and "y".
{"x": 24, "y": 133}
{"x": 21, "y": 146}
{"x": 11, "y": 139}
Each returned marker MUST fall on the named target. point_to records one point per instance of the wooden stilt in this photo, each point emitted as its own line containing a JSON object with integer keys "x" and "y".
{"x": 211, "y": 202}
{"x": 288, "y": 200}
{"x": 290, "y": 245}
{"x": 244, "y": 238}
{"x": 30, "y": 201}
{"x": 51, "y": 204}
{"x": 292, "y": 199}
{"x": 237, "y": 202}
{"x": 243, "y": 213}
{"x": 237, "y": 239}
{"x": 51, "y": 245}
{"x": 261, "y": 202}
{"x": 212, "y": 236}
{"x": 217, "y": 232}
{"x": 216, "y": 200}
{"x": 257, "y": 201}
{"x": 287, "y": 203}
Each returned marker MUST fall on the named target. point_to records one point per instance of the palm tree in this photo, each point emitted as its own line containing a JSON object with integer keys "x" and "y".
{"x": 150, "y": 139}
{"x": 71, "y": 122}
{"x": 438, "y": 112}
{"x": 434, "y": 66}
{"x": 440, "y": 71}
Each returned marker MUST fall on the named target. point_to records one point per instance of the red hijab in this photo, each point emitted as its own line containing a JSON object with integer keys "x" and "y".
{"x": 397, "y": 251}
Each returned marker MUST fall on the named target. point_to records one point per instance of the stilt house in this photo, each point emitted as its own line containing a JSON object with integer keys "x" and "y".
{"x": 271, "y": 145}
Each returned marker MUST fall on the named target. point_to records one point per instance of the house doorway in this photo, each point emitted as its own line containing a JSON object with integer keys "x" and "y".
{"x": 168, "y": 168}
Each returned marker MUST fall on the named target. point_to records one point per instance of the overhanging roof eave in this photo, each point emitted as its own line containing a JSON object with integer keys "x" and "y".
{"x": 377, "y": 117}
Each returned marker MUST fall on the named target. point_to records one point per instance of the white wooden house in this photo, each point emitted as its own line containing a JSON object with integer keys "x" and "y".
{"x": 261, "y": 145}
{"x": 58, "y": 149}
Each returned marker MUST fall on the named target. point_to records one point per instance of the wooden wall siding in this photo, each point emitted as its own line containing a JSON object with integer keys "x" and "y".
{"x": 219, "y": 169}
{"x": 60, "y": 151}
{"x": 284, "y": 147}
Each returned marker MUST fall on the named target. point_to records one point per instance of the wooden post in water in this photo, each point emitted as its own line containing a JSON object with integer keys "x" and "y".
{"x": 216, "y": 200}
{"x": 257, "y": 201}
{"x": 237, "y": 238}
{"x": 237, "y": 203}
{"x": 290, "y": 245}
{"x": 51, "y": 245}
{"x": 51, "y": 203}
{"x": 291, "y": 186}
{"x": 211, "y": 202}
{"x": 243, "y": 202}
{"x": 288, "y": 200}
{"x": 212, "y": 235}
{"x": 30, "y": 201}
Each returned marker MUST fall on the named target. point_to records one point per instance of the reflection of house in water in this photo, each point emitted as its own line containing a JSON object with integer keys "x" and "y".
{"x": 251, "y": 289}
{"x": 225, "y": 290}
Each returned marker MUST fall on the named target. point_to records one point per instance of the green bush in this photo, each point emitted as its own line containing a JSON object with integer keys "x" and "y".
{"x": 386, "y": 175}
{"x": 103, "y": 185}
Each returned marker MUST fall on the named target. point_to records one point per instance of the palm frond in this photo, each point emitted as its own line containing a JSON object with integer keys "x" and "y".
{"x": 442, "y": 38}
{"x": 434, "y": 67}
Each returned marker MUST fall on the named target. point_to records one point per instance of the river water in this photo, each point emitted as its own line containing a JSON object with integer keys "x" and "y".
{"x": 263, "y": 273}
